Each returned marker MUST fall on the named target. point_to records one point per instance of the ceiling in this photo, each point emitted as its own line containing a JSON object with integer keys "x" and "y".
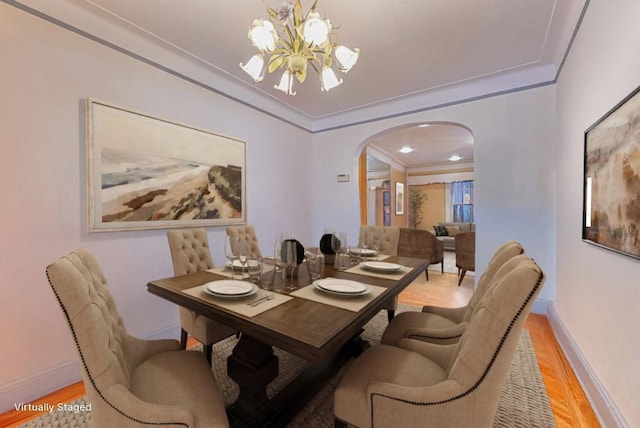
{"x": 432, "y": 144}
{"x": 415, "y": 54}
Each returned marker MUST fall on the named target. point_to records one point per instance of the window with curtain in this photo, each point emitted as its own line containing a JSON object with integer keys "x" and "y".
{"x": 462, "y": 201}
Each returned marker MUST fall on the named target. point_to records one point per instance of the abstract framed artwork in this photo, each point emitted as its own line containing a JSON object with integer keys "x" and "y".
{"x": 399, "y": 198}
{"x": 611, "y": 204}
{"x": 149, "y": 173}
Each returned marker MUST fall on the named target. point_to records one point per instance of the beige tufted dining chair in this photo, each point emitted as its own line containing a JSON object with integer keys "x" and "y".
{"x": 130, "y": 382}
{"x": 442, "y": 325}
{"x": 388, "y": 237}
{"x": 190, "y": 253}
{"x": 247, "y": 233}
{"x": 445, "y": 386}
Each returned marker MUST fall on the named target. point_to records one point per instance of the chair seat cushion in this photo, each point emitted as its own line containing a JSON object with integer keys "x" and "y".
{"x": 184, "y": 379}
{"x": 398, "y": 328}
{"x": 205, "y": 330}
{"x": 381, "y": 364}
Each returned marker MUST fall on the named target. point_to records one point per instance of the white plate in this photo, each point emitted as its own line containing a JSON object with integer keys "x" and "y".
{"x": 337, "y": 293}
{"x": 362, "y": 252}
{"x": 230, "y": 288}
{"x": 342, "y": 286}
{"x": 381, "y": 266}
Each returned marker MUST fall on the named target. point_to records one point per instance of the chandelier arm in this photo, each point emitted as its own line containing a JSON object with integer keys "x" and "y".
{"x": 314, "y": 67}
{"x": 312, "y": 9}
{"x": 291, "y": 37}
{"x": 272, "y": 12}
{"x": 275, "y": 62}
{"x": 296, "y": 13}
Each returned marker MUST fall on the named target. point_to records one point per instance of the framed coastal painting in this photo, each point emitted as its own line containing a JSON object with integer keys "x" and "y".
{"x": 149, "y": 173}
{"x": 399, "y": 198}
{"x": 611, "y": 205}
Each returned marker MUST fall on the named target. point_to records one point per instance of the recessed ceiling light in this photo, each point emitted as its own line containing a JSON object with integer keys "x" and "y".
{"x": 406, "y": 149}
{"x": 455, "y": 158}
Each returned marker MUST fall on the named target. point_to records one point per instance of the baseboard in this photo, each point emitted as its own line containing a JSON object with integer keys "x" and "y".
{"x": 540, "y": 306}
{"x": 31, "y": 388}
{"x": 603, "y": 405}
{"x": 37, "y": 385}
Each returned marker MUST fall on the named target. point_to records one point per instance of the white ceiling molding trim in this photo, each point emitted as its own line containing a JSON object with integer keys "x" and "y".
{"x": 100, "y": 27}
{"x": 199, "y": 42}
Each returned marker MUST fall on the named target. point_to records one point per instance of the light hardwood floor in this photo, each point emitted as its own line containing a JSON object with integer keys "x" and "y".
{"x": 569, "y": 403}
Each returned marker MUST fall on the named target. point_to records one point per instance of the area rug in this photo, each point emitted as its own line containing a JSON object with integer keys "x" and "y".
{"x": 523, "y": 403}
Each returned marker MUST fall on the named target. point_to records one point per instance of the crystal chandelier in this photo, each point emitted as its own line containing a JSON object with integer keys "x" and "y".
{"x": 292, "y": 40}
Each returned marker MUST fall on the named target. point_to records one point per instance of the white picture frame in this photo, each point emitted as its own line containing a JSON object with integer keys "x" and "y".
{"x": 144, "y": 172}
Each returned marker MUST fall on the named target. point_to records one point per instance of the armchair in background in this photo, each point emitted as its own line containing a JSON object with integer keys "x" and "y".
{"x": 465, "y": 253}
{"x": 421, "y": 244}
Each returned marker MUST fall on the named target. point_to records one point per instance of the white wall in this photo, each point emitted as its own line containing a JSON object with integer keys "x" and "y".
{"x": 598, "y": 291}
{"x": 46, "y": 74}
{"x": 514, "y": 186}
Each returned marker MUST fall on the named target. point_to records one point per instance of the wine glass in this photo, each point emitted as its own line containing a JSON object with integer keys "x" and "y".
{"x": 243, "y": 253}
{"x": 341, "y": 248}
{"x": 278, "y": 260}
{"x": 335, "y": 243}
{"x": 366, "y": 242}
{"x": 290, "y": 256}
{"x": 230, "y": 251}
{"x": 344, "y": 246}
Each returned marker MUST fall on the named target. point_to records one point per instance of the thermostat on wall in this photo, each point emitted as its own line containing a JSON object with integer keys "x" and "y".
{"x": 343, "y": 178}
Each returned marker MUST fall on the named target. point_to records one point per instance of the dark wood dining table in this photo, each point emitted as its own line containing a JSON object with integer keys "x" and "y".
{"x": 326, "y": 336}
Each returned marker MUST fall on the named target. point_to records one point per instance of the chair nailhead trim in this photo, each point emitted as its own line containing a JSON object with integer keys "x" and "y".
{"x": 484, "y": 374}
{"x": 84, "y": 364}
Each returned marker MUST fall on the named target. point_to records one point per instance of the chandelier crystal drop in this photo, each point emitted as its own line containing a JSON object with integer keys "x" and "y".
{"x": 293, "y": 40}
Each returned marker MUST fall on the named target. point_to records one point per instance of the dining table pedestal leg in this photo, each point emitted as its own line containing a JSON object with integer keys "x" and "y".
{"x": 252, "y": 365}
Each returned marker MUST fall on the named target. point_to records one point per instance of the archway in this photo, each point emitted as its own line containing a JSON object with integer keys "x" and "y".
{"x": 416, "y": 154}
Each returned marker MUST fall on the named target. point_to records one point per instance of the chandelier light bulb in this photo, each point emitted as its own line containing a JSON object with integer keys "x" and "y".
{"x": 254, "y": 67}
{"x": 316, "y": 30}
{"x": 263, "y": 35}
{"x": 329, "y": 79}
{"x": 286, "y": 83}
{"x": 346, "y": 57}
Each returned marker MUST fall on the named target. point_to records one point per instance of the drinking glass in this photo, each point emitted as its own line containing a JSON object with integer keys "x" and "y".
{"x": 254, "y": 269}
{"x": 230, "y": 251}
{"x": 376, "y": 245}
{"x": 315, "y": 263}
{"x": 267, "y": 276}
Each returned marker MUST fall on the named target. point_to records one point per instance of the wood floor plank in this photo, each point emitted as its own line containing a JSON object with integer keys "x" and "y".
{"x": 568, "y": 401}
